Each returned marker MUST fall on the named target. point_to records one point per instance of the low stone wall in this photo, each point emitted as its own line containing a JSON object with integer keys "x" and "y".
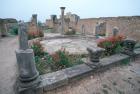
{"x": 63, "y": 77}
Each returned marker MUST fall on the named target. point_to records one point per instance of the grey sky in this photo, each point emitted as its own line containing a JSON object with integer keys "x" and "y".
{"x": 23, "y": 9}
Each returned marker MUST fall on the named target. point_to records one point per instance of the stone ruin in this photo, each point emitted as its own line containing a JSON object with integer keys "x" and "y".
{"x": 33, "y": 24}
{"x": 66, "y": 23}
{"x": 100, "y": 29}
{"x": 115, "y": 31}
{"x": 6, "y": 25}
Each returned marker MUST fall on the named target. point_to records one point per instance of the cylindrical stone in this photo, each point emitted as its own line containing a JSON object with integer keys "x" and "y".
{"x": 26, "y": 64}
{"x": 23, "y": 36}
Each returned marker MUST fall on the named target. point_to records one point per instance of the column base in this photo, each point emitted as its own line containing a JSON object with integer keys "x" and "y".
{"x": 31, "y": 87}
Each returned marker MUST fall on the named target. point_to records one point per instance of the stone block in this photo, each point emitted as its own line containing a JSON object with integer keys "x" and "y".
{"x": 77, "y": 71}
{"x": 53, "y": 80}
{"x": 113, "y": 59}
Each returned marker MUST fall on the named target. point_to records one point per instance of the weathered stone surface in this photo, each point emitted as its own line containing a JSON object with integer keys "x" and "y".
{"x": 23, "y": 37}
{"x": 29, "y": 80}
{"x": 117, "y": 80}
{"x": 115, "y": 31}
{"x": 26, "y": 64}
{"x": 31, "y": 87}
{"x": 77, "y": 71}
{"x": 100, "y": 28}
{"x": 128, "y": 45}
{"x": 62, "y": 19}
{"x": 113, "y": 59}
{"x": 74, "y": 45}
{"x": 95, "y": 53}
{"x": 53, "y": 80}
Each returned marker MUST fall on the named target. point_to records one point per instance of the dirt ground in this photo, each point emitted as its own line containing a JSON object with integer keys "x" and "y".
{"x": 8, "y": 65}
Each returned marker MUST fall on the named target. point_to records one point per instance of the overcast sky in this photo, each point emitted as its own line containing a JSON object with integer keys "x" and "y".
{"x": 23, "y": 9}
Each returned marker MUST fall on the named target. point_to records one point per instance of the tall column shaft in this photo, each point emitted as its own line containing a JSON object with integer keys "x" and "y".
{"x": 62, "y": 18}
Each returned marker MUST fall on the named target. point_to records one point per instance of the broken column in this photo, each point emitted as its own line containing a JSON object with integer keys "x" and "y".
{"x": 62, "y": 19}
{"x": 54, "y": 22}
{"x": 83, "y": 29}
{"x": 28, "y": 74}
{"x": 128, "y": 46}
{"x": 34, "y": 19}
{"x": 95, "y": 54}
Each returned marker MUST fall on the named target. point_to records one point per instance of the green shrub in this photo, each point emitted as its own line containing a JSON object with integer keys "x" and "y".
{"x": 59, "y": 60}
{"x": 62, "y": 59}
{"x": 125, "y": 62}
{"x": 37, "y": 48}
{"x": 14, "y": 31}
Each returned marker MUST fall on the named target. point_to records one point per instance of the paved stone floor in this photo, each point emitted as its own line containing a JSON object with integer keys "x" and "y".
{"x": 8, "y": 66}
{"x": 74, "y": 45}
{"x": 118, "y": 80}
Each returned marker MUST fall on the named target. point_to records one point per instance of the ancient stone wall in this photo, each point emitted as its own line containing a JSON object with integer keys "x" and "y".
{"x": 129, "y": 26}
{"x": 5, "y": 25}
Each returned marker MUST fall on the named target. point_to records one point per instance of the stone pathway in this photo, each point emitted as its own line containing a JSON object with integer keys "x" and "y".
{"x": 119, "y": 80}
{"x": 8, "y": 66}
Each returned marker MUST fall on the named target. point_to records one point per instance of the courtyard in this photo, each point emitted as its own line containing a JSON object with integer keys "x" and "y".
{"x": 118, "y": 80}
{"x": 70, "y": 47}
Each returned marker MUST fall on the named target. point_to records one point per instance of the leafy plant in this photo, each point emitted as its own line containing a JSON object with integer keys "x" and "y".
{"x": 14, "y": 30}
{"x": 37, "y": 48}
{"x": 62, "y": 59}
{"x": 111, "y": 44}
{"x": 40, "y": 65}
{"x": 59, "y": 60}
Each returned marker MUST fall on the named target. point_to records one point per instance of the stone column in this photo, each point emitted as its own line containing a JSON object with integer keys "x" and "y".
{"x": 97, "y": 30}
{"x": 28, "y": 74}
{"x": 62, "y": 18}
{"x": 115, "y": 31}
{"x": 83, "y": 29}
{"x": 34, "y": 18}
{"x": 54, "y": 21}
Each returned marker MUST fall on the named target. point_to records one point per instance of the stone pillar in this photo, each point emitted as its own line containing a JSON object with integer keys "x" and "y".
{"x": 97, "y": 30}
{"x": 6, "y": 29}
{"x": 62, "y": 18}
{"x": 54, "y": 22}
{"x": 28, "y": 74}
{"x": 115, "y": 31}
{"x": 83, "y": 29}
{"x": 34, "y": 18}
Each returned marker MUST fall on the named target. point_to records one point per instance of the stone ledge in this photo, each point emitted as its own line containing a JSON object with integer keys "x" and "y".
{"x": 113, "y": 59}
{"x": 63, "y": 77}
{"x": 53, "y": 80}
{"x": 77, "y": 71}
